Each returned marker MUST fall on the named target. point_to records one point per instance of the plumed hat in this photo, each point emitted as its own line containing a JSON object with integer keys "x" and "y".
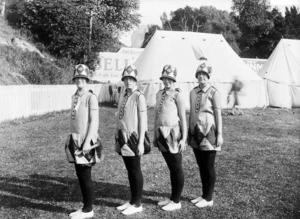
{"x": 204, "y": 67}
{"x": 129, "y": 71}
{"x": 81, "y": 71}
{"x": 170, "y": 72}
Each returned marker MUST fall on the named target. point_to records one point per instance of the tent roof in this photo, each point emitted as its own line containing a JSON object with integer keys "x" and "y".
{"x": 162, "y": 50}
{"x": 182, "y": 49}
{"x": 283, "y": 65}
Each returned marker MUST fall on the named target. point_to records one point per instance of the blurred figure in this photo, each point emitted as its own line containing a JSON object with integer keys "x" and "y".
{"x": 118, "y": 89}
{"x": 110, "y": 91}
{"x": 236, "y": 88}
{"x": 115, "y": 94}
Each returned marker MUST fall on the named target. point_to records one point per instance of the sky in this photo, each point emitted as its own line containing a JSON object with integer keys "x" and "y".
{"x": 151, "y": 10}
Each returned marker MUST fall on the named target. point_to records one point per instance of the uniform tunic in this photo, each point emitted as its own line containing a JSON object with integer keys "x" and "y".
{"x": 128, "y": 122}
{"x": 202, "y": 126}
{"x": 167, "y": 120}
{"x": 82, "y": 104}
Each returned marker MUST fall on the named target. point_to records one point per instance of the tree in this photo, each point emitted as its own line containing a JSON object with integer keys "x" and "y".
{"x": 267, "y": 42}
{"x": 76, "y": 28}
{"x": 292, "y": 23}
{"x": 165, "y": 22}
{"x": 255, "y": 23}
{"x": 206, "y": 19}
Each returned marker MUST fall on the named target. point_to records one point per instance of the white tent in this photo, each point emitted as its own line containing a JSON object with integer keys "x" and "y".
{"x": 282, "y": 74}
{"x": 182, "y": 49}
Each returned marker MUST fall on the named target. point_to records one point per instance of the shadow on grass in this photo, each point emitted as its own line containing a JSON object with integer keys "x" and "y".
{"x": 108, "y": 104}
{"x": 46, "y": 193}
{"x": 13, "y": 202}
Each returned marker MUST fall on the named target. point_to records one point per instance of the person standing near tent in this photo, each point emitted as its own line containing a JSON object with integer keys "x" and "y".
{"x": 110, "y": 91}
{"x": 236, "y": 88}
{"x": 170, "y": 133}
{"x": 130, "y": 136}
{"x": 118, "y": 93}
{"x": 205, "y": 131}
{"x": 83, "y": 136}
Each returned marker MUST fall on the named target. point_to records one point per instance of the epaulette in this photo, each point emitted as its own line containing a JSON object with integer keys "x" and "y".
{"x": 213, "y": 90}
{"x": 195, "y": 87}
{"x": 161, "y": 91}
{"x": 141, "y": 92}
{"x": 178, "y": 90}
{"x": 91, "y": 91}
{"x": 213, "y": 87}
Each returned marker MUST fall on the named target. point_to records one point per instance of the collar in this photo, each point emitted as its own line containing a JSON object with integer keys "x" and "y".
{"x": 128, "y": 92}
{"x": 168, "y": 91}
{"x": 204, "y": 90}
{"x": 80, "y": 93}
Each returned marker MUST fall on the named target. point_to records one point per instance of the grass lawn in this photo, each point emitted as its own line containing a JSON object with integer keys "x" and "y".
{"x": 258, "y": 174}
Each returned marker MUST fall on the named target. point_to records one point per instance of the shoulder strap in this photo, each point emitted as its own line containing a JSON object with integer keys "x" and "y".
{"x": 140, "y": 93}
{"x": 177, "y": 91}
{"x": 212, "y": 90}
{"x": 89, "y": 97}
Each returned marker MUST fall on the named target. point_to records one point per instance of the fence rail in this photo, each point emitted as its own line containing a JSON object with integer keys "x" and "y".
{"x": 19, "y": 101}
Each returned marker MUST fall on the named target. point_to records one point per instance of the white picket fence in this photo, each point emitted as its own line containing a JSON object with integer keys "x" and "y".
{"x": 19, "y": 101}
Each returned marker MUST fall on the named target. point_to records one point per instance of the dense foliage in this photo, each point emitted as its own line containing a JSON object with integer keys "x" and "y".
{"x": 262, "y": 28}
{"x": 75, "y": 28}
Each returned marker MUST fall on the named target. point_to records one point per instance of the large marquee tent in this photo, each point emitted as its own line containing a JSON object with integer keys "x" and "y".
{"x": 282, "y": 74}
{"x": 183, "y": 49}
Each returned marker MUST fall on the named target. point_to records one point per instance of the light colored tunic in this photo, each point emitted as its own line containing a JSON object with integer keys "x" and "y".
{"x": 202, "y": 126}
{"x": 128, "y": 121}
{"x": 167, "y": 120}
{"x": 82, "y": 105}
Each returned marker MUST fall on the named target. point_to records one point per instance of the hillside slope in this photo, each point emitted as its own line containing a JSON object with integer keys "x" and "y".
{"x": 9, "y": 73}
{"x": 18, "y": 57}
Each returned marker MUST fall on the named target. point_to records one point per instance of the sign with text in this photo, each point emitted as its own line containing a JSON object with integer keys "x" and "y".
{"x": 255, "y": 64}
{"x": 110, "y": 66}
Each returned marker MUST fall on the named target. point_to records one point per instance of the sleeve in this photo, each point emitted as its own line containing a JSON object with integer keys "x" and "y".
{"x": 157, "y": 98}
{"x": 180, "y": 100}
{"x": 72, "y": 102}
{"x": 142, "y": 103}
{"x": 190, "y": 99}
{"x": 216, "y": 99}
{"x": 93, "y": 102}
